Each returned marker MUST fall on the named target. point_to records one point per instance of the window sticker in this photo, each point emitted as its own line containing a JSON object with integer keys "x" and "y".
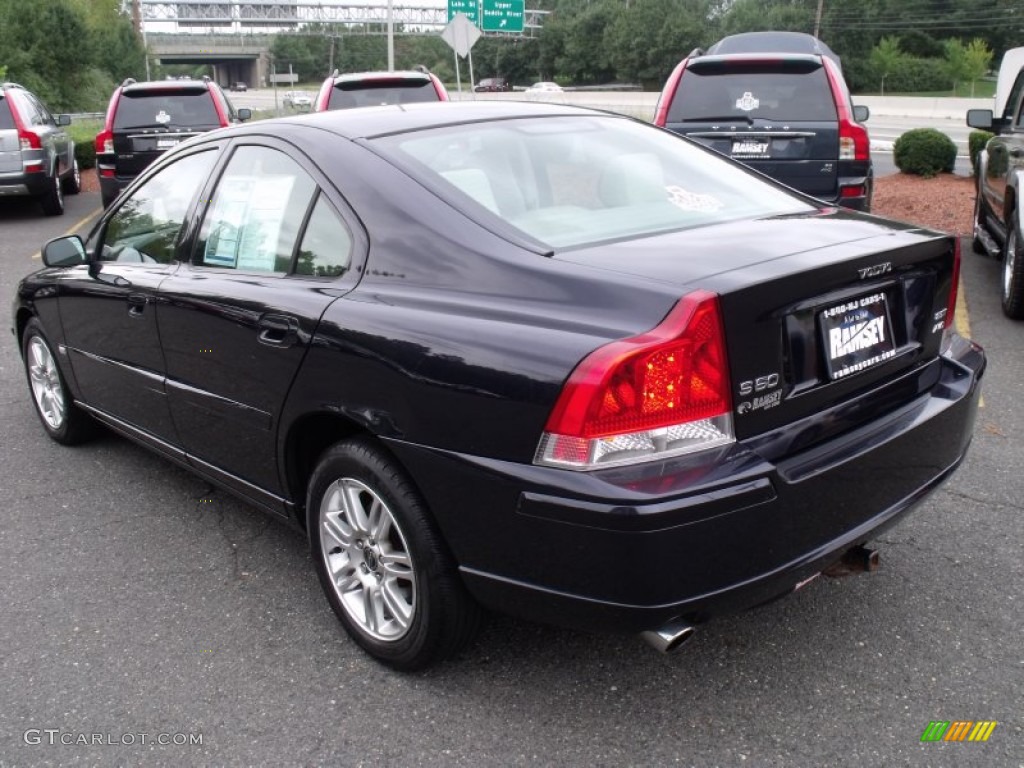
{"x": 247, "y": 222}
{"x": 747, "y": 102}
{"x": 162, "y": 117}
{"x": 693, "y": 201}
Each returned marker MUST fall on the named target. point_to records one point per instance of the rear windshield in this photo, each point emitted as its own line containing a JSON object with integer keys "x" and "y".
{"x": 570, "y": 181}
{"x": 165, "y": 108}
{"x": 6, "y": 119}
{"x": 796, "y": 91}
{"x": 374, "y": 93}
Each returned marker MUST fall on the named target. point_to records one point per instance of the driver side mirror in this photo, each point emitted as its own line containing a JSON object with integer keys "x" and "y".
{"x": 64, "y": 252}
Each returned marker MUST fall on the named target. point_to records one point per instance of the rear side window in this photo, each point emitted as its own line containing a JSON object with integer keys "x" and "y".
{"x": 6, "y": 118}
{"x": 165, "y": 108}
{"x": 374, "y": 93}
{"x": 727, "y": 90}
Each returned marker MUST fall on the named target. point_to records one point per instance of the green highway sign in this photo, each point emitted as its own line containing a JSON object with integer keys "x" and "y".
{"x": 468, "y": 7}
{"x": 501, "y": 15}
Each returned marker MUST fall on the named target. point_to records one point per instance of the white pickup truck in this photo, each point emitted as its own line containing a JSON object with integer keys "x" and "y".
{"x": 999, "y": 205}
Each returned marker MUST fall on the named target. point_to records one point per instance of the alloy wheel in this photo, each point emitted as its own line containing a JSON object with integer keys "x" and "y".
{"x": 46, "y": 385}
{"x": 367, "y": 559}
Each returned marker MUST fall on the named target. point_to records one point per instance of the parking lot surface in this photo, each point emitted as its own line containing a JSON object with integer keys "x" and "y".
{"x": 148, "y": 618}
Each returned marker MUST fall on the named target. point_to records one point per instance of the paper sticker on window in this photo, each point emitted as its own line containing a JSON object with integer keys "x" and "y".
{"x": 162, "y": 117}
{"x": 747, "y": 102}
{"x": 693, "y": 201}
{"x": 247, "y": 222}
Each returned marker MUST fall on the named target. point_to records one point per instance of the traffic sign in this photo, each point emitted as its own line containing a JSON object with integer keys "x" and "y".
{"x": 502, "y": 15}
{"x": 467, "y": 7}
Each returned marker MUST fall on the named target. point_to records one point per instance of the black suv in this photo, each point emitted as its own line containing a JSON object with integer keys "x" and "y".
{"x": 785, "y": 112}
{"x": 37, "y": 157}
{"x": 144, "y": 120}
{"x": 492, "y": 85}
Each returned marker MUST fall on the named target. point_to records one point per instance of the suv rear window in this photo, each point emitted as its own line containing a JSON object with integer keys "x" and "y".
{"x": 165, "y": 107}
{"x": 774, "y": 90}
{"x": 373, "y": 93}
{"x": 6, "y": 119}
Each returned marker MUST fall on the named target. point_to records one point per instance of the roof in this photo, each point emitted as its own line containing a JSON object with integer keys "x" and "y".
{"x": 367, "y": 122}
{"x": 167, "y": 85}
{"x": 773, "y": 42}
{"x": 382, "y": 75}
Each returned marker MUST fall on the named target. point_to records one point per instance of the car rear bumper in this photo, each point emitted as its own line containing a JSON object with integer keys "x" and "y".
{"x": 16, "y": 184}
{"x": 631, "y": 549}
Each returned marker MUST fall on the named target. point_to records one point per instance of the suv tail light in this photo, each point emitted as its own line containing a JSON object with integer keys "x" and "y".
{"x": 954, "y": 289}
{"x": 663, "y": 393}
{"x": 29, "y": 140}
{"x": 853, "y": 141}
{"x": 668, "y": 93}
{"x": 104, "y": 142}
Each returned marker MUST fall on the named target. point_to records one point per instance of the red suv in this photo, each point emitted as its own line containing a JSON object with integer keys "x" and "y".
{"x": 372, "y": 89}
{"x": 786, "y": 114}
{"x": 144, "y": 120}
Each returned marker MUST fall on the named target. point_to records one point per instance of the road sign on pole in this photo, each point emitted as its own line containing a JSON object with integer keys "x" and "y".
{"x": 461, "y": 35}
{"x": 503, "y": 15}
{"x": 468, "y": 7}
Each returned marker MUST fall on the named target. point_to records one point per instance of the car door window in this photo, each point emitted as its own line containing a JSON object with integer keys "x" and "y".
{"x": 256, "y": 213}
{"x": 326, "y": 248}
{"x": 146, "y": 226}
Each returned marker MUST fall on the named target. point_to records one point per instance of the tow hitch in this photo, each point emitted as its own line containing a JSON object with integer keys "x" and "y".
{"x": 857, "y": 559}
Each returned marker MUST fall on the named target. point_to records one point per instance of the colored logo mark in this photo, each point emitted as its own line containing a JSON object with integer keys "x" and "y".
{"x": 959, "y": 730}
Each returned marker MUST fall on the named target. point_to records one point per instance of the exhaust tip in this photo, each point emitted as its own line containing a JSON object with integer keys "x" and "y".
{"x": 670, "y": 638}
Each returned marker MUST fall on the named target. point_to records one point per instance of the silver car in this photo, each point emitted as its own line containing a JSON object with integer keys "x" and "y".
{"x": 37, "y": 157}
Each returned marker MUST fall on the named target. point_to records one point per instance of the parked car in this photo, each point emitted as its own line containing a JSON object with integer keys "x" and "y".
{"x": 37, "y": 157}
{"x": 492, "y": 85}
{"x": 999, "y": 202}
{"x": 787, "y": 115}
{"x": 543, "y": 359}
{"x": 374, "y": 89}
{"x": 297, "y": 100}
{"x": 144, "y": 120}
{"x": 544, "y": 88}
{"x": 239, "y": 86}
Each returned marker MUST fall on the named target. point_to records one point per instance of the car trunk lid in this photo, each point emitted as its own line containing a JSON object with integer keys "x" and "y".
{"x": 150, "y": 121}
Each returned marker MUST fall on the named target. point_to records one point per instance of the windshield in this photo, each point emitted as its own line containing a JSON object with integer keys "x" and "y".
{"x": 795, "y": 91}
{"x": 166, "y": 108}
{"x": 571, "y": 181}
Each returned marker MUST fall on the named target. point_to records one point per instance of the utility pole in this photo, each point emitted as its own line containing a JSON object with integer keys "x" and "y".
{"x": 817, "y": 18}
{"x": 391, "y": 36}
{"x": 140, "y": 31}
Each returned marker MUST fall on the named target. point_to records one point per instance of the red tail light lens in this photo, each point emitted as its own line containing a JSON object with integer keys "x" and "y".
{"x": 29, "y": 140}
{"x": 104, "y": 142}
{"x": 853, "y": 141}
{"x": 659, "y": 394}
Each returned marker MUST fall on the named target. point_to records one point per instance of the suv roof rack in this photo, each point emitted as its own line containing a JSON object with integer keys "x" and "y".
{"x": 128, "y": 81}
{"x": 12, "y": 85}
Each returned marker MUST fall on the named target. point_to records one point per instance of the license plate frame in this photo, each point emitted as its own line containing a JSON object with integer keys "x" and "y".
{"x": 167, "y": 143}
{"x": 751, "y": 147}
{"x": 856, "y": 335}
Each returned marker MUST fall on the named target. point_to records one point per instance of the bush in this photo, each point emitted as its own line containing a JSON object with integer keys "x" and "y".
{"x": 83, "y": 133}
{"x": 925, "y": 152}
{"x": 976, "y": 142}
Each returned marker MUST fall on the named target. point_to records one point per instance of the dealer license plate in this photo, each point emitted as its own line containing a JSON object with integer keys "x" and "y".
{"x": 857, "y": 335}
{"x": 166, "y": 143}
{"x": 747, "y": 147}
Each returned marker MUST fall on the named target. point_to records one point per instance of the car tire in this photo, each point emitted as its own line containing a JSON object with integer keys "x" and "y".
{"x": 52, "y": 199}
{"x": 54, "y": 404}
{"x": 73, "y": 181}
{"x": 381, "y": 561}
{"x": 976, "y": 244}
{"x": 1013, "y": 272}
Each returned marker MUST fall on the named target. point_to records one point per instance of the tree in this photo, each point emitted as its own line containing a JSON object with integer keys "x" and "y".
{"x": 886, "y": 57}
{"x": 956, "y": 61}
{"x": 977, "y": 57}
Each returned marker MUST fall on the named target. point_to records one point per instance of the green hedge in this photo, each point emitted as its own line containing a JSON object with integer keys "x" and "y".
{"x": 924, "y": 152}
{"x": 83, "y": 133}
{"x": 976, "y": 142}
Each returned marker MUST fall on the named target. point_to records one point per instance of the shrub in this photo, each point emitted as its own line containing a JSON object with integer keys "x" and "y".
{"x": 83, "y": 133}
{"x": 976, "y": 142}
{"x": 925, "y": 152}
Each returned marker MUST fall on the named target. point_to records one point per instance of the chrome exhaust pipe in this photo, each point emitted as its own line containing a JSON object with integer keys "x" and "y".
{"x": 670, "y": 638}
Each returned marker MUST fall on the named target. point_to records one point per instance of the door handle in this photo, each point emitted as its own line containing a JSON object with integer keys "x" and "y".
{"x": 137, "y": 304}
{"x": 278, "y": 330}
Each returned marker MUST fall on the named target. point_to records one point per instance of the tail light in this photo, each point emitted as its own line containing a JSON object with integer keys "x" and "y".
{"x": 853, "y": 141}
{"x": 668, "y": 93}
{"x": 954, "y": 289}
{"x": 29, "y": 140}
{"x": 662, "y": 393}
{"x": 104, "y": 142}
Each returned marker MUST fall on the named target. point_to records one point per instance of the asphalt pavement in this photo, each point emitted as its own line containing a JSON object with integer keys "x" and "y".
{"x": 138, "y": 604}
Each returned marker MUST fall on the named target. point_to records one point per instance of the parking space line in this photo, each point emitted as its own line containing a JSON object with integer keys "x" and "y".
{"x": 74, "y": 228}
{"x": 962, "y": 322}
